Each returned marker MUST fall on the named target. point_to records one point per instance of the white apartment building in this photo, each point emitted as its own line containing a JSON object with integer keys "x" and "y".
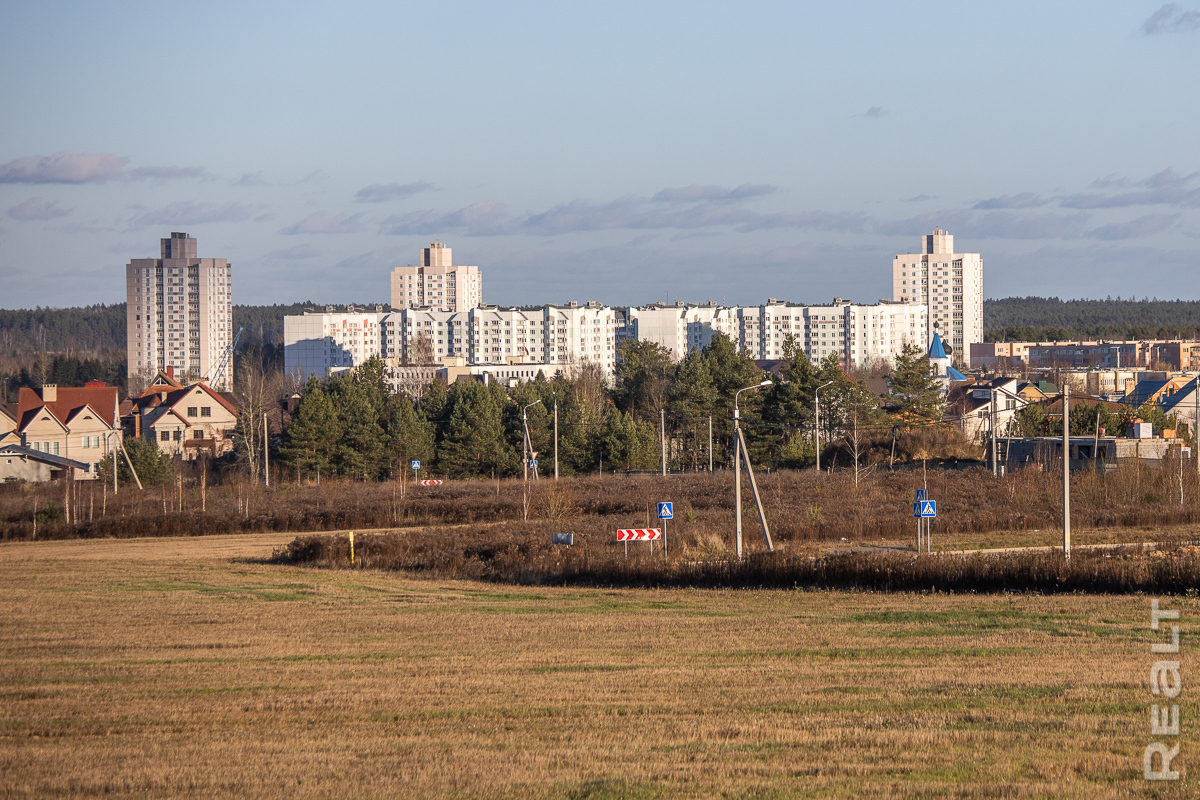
{"x": 179, "y": 313}
{"x": 561, "y": 336}
{"x": 329, "y": 341}
{"x": 566, "y": 334}
{"x": 436, "y": 284}
{"x": 859, "y": 335}
{"x": 950, "y": 287}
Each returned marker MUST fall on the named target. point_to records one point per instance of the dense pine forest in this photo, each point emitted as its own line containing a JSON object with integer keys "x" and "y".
{"x": 1038, "y": 319}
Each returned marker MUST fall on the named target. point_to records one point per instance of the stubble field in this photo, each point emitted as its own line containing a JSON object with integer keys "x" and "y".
{"x": 190, "y": 668}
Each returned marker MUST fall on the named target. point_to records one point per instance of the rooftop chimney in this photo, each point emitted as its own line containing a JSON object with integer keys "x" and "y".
{"x": 49, "y": 393}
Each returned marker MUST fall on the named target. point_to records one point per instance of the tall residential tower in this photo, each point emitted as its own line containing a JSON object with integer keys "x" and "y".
{"x": 949, "y": 285}
{"x": 179, "y": 313}
{"x": 435, "y": 284}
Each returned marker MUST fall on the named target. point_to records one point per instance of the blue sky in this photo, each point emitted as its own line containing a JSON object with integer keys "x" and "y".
{"x": 622, "y": 152}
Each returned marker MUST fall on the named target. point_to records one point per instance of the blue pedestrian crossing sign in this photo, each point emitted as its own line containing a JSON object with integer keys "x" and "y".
{"x": 920, "y": 495}
{"x": 666, "y": 511}
{"x": 416, "y": 465}
{"x": 533, "y": 464}
{"x": 925, "y": 508}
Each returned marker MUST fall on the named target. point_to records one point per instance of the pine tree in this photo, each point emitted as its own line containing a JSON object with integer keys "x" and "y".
{"x": 361, "y": 452}
{"x": 311, "y": 439}
{"x": 409, "y": 436}
{"x": 474, "y": 443}
{"x": 914, "y": 388}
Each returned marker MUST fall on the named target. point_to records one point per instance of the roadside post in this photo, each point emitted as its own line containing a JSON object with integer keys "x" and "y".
{"x": 628, "y": 535}
{"x": 924, "y": 510}
{"x": 666, "y": 511}
{"x": 351, "y": 547}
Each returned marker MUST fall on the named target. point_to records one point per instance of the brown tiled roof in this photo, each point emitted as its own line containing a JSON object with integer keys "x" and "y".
{"x": 102, "y": 399}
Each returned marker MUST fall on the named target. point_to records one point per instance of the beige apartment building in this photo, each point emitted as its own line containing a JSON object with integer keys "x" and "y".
{"x": 436, "y": 284}
{"x": 949, "y": 285}
{"x": 179, "y": 314}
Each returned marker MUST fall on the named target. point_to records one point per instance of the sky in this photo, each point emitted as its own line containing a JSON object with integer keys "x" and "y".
{"x": 620, "y": 152}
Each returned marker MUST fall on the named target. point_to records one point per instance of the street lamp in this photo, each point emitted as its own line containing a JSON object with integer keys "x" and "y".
{"x": 817, "y": 424}
{"x": 525, "y": 448}
{"x": 737, "y": 463}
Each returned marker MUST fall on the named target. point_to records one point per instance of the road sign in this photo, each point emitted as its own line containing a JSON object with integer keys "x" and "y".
{"x": 920, "y": 495}
{"x": 416, "y": 465}
{"x": 562, "y": 538}
{"x": 431, "y": 483}
{"x": 665, "y": 511}
{"x": 925, "y": 508}
{"x": 533, "y": 464}
{"x": 639, "y": 535}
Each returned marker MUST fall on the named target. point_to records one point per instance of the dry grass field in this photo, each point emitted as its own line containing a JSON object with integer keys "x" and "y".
{"x": 188, "y": 667}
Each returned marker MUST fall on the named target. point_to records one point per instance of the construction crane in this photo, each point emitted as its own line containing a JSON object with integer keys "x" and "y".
{"x": 225, "y": 360}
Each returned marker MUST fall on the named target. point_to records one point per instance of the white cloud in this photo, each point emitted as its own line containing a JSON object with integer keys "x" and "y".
{"x": 165, "y": 173}
{"x": 382, "y": 192}
{"x": 1171, "y": 18}
{"x": 322, "y": 222}
{"x": 64, "y": 168}
{"x": 35, "y": 208}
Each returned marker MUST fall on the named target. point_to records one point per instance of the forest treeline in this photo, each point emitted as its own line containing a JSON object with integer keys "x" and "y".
{"x": 70, "y": 346}
{"x": 1040, "y": 319}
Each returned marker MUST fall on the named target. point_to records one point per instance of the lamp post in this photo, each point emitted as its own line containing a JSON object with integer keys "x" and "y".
{"x": 817, "y": 424}
{"x": 525, "y": 448}
{"x": 737, "y": 464}
{"x": 555, "y": 396}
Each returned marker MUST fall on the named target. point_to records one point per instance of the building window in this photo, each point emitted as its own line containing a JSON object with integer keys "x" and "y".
{"x": 198, "y": 434}
{"x": 56, "y": 448}
{"x": 165, "y": 436}
{"x": 87, "y": 441}
{"x": 178, "y": 434}
{"x": 206, "y": 411}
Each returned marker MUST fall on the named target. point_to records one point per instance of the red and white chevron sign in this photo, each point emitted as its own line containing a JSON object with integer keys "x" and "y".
{"x": 431, "y": 483}
{"x": 639, "y": 535}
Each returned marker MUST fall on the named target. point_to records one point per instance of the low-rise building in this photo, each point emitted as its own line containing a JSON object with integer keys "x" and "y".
{"x": 78, "y": 424}
{"x": 185, "y": 421}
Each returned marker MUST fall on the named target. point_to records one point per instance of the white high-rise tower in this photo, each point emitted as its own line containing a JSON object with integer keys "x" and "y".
{"x": 179, "y": 314}
{"x": 949, "y": 285}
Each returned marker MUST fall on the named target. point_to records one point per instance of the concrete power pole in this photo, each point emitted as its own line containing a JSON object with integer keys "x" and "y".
{"x": 1066, "y": 393}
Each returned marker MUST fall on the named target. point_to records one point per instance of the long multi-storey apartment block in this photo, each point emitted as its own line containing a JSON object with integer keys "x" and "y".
{"x": 179, "y": 314}
{"x": 857, "y": 334}
{"x": 571, "y": 334}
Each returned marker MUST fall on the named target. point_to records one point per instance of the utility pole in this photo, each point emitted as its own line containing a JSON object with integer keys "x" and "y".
{"x": 525, "y": 448}
{"x": 1066, "y": 393}
{"x": 662, "y": 429}
{"x": 737, "y": 482}
{"x": 555, "y": 395}
{"x": 817, "y": 423}
{"x": 710, "y": 454}
{"x": 266, "y": 451}
{"x": 995, "y": 467}
{"x": 738, "y": 453}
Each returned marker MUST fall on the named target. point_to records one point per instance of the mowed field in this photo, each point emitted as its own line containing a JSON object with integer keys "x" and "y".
{"x": 188, "y": 668}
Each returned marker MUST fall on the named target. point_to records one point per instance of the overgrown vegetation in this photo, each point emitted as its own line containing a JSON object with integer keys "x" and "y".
{"x": 523, "y": 554}
{"x": 801, "y": 506}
